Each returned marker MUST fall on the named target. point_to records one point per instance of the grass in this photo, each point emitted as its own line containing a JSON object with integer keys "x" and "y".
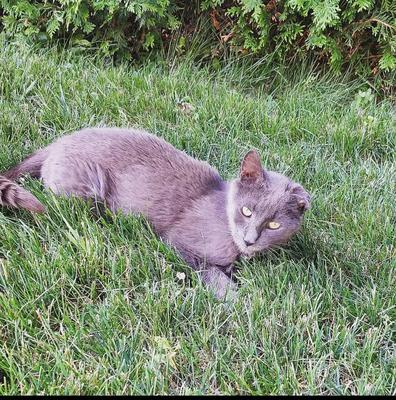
{"x": 94, "y": 305}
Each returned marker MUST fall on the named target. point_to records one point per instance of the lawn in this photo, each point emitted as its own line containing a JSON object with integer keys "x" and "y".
{"x": 94, "y": 303}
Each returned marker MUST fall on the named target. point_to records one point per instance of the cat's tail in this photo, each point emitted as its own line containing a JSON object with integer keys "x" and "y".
{"x": 13, "y": 195}
{"x": 29, "y": 166}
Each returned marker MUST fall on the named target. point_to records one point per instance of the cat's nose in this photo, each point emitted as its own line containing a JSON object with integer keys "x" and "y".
{"x": 248, "y": 243}
{"x": 251, "y": 236}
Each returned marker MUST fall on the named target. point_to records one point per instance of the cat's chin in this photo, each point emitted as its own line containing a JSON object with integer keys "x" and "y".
{"x": 245, "y": 251}
{"x": 249, "y": 252}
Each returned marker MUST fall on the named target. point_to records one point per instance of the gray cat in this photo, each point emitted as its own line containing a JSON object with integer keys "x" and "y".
{"x": 209, "y": 221}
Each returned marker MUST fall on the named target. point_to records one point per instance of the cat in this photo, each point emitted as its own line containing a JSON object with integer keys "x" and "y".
{"x": 210, "y": 222}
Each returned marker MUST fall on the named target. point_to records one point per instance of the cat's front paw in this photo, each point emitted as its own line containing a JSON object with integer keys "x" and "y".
{"x": 222, "y": 286}
{"x": 230, "y": 295}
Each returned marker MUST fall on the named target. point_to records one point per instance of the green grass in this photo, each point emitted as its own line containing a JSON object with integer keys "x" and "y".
{"x": 93, "y": 304}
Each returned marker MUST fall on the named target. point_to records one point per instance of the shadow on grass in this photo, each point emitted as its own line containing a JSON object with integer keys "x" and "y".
{"x": 3, "y": 377}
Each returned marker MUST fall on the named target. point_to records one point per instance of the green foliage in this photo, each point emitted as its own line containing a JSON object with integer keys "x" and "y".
{"x": 335, "y": 31}
{"x": 115, "y": 26}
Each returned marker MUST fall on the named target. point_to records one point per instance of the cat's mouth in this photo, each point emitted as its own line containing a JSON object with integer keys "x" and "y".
{"x": 250, "y": 251}
{"x": 246, "y": 251}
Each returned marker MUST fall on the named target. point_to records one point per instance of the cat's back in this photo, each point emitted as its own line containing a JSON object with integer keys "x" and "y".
{"x": 117, "y": 148}
{"x": 111, "y": 145}
{"x": 149, "y": 175}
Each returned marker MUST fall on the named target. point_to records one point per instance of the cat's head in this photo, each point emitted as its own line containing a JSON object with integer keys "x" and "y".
{"x": 264, "y": 208}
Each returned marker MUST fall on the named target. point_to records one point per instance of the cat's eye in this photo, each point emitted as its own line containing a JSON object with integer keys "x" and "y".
{"x": 246, "y": 212}
{"x": 273, "y": 225}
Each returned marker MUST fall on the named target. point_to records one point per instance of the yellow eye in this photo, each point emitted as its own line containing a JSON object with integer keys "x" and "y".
{"x": 246, "y": 212}
{"x": 273, "y": 225}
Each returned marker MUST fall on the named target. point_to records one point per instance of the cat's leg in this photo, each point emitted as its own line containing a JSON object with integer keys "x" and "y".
{"x": 218, "y": 281}
{"x": 77, "y": 177}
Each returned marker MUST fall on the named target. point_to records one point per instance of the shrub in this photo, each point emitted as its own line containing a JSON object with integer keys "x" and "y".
{"x": 339, "y": 31}
{"x": 333, "y": 30}
{"x": 112, "y": 25}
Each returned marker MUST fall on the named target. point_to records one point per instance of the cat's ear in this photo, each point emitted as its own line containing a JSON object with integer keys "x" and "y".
{"x": 251, "y": 169}
{"x": 302, "y": 197}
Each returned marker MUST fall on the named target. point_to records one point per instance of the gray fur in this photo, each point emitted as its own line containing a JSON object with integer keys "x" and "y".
{"x": 12, "y": 195}
{"x": 187, "y": 202}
